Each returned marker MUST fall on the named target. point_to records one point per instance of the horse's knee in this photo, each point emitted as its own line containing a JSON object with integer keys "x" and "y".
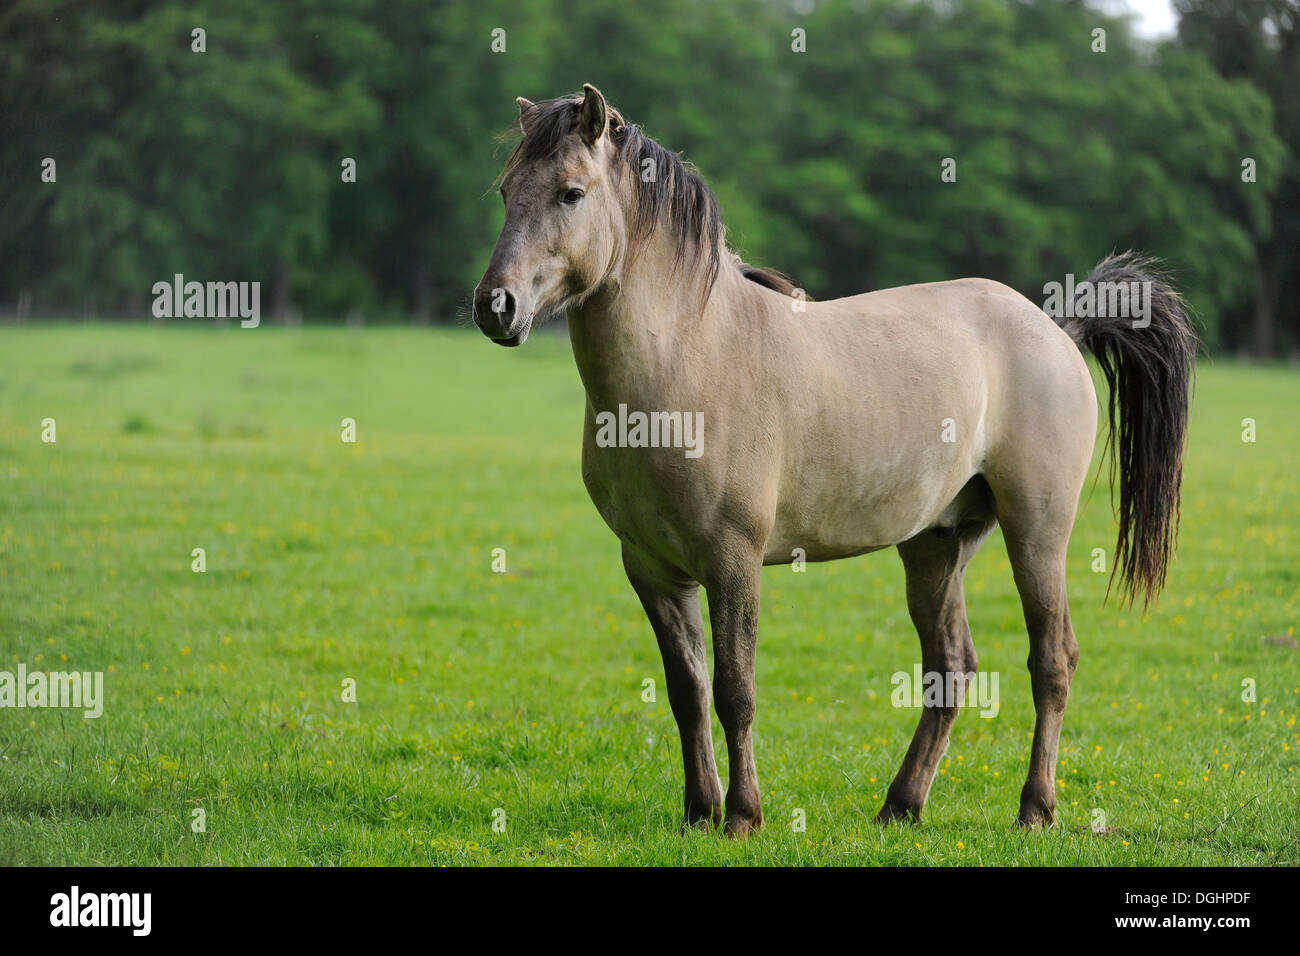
{"x": 735, "y": 705}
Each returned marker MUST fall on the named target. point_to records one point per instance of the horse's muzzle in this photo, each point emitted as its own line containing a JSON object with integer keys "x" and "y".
{"x": 498, "y": 315}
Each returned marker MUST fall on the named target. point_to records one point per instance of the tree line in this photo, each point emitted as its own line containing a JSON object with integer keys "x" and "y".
{"x": 342, "y": 152}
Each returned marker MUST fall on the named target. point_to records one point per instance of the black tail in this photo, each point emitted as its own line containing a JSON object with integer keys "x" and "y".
{"x": 1147, "y": 353}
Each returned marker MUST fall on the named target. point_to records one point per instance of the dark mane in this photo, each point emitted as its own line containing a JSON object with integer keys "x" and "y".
{"x": 769, "y": 278}
{"x": 675, "y": 196}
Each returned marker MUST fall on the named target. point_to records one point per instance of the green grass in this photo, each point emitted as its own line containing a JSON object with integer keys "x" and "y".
{"x": 522, "y": 691}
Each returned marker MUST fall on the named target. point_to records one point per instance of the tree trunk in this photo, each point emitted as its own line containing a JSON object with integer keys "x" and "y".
{"x": 1263, "y": 331}
{"x": 280, "y": 293}
{"x": 422, "y": 277}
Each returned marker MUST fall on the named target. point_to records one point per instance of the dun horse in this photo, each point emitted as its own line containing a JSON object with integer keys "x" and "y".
{"x": 919, "y": 417}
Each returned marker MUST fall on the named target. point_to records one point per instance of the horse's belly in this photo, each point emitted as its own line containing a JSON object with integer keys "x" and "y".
{"x": 843, "y": 532}
{"x": 833, "y": 516}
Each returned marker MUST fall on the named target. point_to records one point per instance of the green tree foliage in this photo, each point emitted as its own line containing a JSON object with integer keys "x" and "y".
{"x": 826, "y": 130}
{"x": 1258, "y": 42}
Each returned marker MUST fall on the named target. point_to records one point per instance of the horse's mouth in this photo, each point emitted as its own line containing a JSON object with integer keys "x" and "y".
{"x": 514, "y": 340}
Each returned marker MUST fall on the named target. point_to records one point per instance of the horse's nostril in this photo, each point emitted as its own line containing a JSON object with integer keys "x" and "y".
{"x": 494, "y": 308}
{"x": 503, "y": 303}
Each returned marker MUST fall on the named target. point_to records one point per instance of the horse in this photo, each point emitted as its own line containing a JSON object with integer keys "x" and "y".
{"x": 920, "y": 417}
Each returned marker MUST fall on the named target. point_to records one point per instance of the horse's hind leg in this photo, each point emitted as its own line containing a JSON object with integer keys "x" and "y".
{"x": 1038, "y": 560}
{"x": 1036, "y": 507}
{"x": 1036, "y": 466}
{"x": 673, "y": 607}
{"x": 935, "y": 562}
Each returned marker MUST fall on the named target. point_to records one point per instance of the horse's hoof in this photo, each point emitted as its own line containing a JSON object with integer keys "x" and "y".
{"x": 901, "y": 806}
{"x": 1037, "y": 806}
{"x": 703, "y": 820}
{"x": 1036, "y": 815}
{"x": 1039, "y": 820}
{"x": 739, "y": 828}
{"x": 896, "y": 813}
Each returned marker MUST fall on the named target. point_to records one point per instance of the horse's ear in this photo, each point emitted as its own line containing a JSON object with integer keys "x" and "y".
{"x": 524, "y": 105}
{"x": 592, "y": 117}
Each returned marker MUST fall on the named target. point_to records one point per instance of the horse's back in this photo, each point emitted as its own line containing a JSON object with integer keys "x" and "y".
{"x": 982, "y": 307}
{"x": 1020, "y": 350}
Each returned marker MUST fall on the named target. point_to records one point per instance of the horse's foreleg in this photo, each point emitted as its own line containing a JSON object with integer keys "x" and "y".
{"x": 936, "y": 569}
{"x": 733, "y": 611}
{"x": 673, "y": 606}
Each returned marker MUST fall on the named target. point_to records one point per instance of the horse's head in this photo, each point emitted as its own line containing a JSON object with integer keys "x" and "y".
{"x": 564, "y": 227}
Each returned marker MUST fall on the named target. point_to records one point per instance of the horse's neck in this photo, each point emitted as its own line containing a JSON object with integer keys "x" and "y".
{"x": 628, "y": 340}
{"x": 640, "y": 340}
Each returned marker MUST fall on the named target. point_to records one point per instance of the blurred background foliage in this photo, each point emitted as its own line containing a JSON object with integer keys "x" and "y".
{"x": 225, "y": 165}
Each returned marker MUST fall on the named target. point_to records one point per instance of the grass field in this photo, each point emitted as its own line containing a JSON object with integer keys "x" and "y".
{"x": 520, "y": 694}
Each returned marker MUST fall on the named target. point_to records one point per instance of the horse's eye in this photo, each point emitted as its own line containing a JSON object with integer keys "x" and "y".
{"x": 572, "y": 196}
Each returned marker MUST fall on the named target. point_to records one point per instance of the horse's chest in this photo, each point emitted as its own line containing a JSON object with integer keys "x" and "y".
{"x": 616, "y": 484}
{"x": 601, "y": 487}
{"x": 641, "y": 494}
